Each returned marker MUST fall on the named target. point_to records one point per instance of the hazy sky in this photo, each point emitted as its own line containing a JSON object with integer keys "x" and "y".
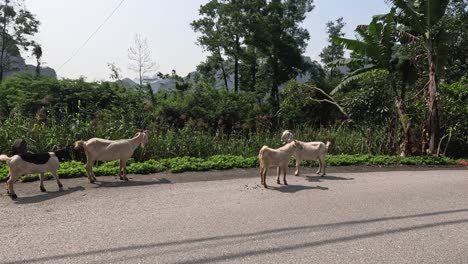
{"x": 66, "y": 24}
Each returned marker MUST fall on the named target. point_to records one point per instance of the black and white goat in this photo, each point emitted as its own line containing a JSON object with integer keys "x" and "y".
{"x": 27, "y": 163}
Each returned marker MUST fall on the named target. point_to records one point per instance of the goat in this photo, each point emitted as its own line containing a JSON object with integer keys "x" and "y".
{"x": 27, "y": 163}
{"x": 275, "y": 158}
{"x": 98, "y": 149}
{"x": 308, "y": 151}
{"x": 19, "y": 147}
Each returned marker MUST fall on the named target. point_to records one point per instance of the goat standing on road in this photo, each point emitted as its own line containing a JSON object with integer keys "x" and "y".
{"x": 275, "y": 158}
{"x": 308, "y": 151}
{"x": 108, "y": 150}
{"x": 27, "y": 163}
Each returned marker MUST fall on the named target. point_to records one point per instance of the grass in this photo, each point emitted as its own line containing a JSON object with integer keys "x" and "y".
{"x": 44, "y": 136}
{"x": 75, "y": 169}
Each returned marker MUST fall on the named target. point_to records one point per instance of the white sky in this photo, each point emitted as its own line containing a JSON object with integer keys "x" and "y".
{"x": 66, "y": 24}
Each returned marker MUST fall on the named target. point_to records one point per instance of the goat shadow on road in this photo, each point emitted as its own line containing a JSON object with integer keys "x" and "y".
{"x": 131, "y": 183}
{"x": 48, "y": 195}
{"x": 327, "y": 177}
{"x": 296, "y": 188}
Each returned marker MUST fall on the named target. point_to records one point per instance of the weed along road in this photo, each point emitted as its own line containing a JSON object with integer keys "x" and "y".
{"x": 406, "y": 216}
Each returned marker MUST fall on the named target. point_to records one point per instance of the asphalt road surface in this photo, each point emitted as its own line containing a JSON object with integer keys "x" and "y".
{"x": 350, "y": 216}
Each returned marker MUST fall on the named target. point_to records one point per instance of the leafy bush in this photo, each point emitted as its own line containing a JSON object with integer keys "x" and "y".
{"x": 455, "y": 116}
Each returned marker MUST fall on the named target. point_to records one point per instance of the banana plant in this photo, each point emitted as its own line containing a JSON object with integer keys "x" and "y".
{"x": 422, "y": 18}
{"x": 375, "y": 48}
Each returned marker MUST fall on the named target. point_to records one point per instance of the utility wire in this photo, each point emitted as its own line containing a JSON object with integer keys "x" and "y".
{"x": 92, "y": 35}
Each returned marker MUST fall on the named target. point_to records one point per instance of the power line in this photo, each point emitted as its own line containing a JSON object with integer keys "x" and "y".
{"x": 92, "y": 35}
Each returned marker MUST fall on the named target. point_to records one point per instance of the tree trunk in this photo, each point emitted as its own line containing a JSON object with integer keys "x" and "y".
{"x": 38, "y": 68}
{"x": 223, "y": 71}
{"x": 236, "y": 65}
{"x": 408, "y": 140}
{"x": 275, "y": 84}
{"x": 388, "y": 146}
{"x": 253, "y": 72}
{"x": 3, "y": 50}
{"x": 236, "y": 74}
{"x": 140, "y": 74}
{"x": 431, "y": 124}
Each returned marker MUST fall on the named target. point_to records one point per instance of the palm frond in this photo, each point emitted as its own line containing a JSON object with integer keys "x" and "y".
{"x": 353, "y": 76}
{"x": 433, "y": 11}
{"x": 343, "y": 62}
{"x": 360, "y": 47}
{"x": 408, "y": 15}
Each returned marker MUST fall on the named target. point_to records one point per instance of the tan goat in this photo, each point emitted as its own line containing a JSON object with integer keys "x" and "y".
{"x": 308, "y": 151}
{"x": 275, "y": 158}
{"x": 107, "y": 150}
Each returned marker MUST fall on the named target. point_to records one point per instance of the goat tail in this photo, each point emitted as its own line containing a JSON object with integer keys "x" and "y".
{"x": 79, "y": 144}
{"x": 4, "y": 158}
{"x": 262, "y": 150}
{"x": 328, "y": 144}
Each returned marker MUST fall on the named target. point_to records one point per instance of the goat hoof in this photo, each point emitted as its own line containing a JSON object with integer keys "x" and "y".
{"x": 92, "y": 181}
{"x": 323, "y": 175}
{"x": 285, "y": 183}
{"x": 14, "y": 196}
{"x": 266, "y": 186}
{"x": 60, "y": 186}
{"x": 43, "y": 189}
{"x": 278, "y": 182}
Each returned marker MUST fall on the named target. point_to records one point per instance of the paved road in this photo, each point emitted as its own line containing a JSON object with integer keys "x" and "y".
{"x": 348, "y": 217}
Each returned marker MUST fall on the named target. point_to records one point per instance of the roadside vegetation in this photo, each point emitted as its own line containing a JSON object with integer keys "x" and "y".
{"x": 400, "y": 97}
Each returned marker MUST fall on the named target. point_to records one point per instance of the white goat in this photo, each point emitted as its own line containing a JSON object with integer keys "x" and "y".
{"x": 27, "y": 163}
{"x": 107, "y": 150}
{"x": 308, "y": 151}
{"x": 275, "y": 158}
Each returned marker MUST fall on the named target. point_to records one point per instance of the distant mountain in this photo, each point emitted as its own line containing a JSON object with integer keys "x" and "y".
{"x": 157, "y": 84}
{"x": 127, "y": 83}
{"x": 18, "y": 65}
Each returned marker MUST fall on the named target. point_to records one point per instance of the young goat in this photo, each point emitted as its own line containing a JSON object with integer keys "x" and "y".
{"x": 275, "y": 158}
{"x": 107, "y": 150}
{"x": 27, "y": 163}
{"x": 308, "y": 151}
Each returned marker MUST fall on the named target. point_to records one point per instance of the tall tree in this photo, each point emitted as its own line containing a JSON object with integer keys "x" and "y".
{"x": 334, "y": 51}
{"x": 421, "y": 18}
{"x": 17, "y": 25}
{"x": 232, "y": 20}
{"x": 375, "y": 49}
{"x": 283, "y": 41}
{"x": 115, "y": 71}
{"x": 140, "y": 58}
{"x": 455, "y": 23}
{"x": 37, "y": 53}
{"x": 212, "y": 27}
